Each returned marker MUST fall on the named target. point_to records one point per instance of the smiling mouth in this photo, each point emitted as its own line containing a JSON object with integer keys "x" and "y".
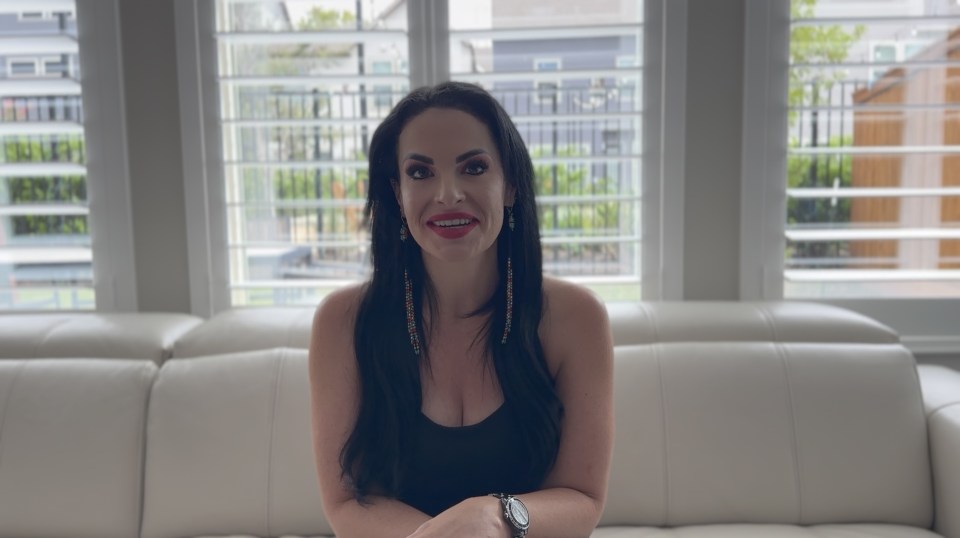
{"x": 453, "y": 227}
{"x": 451, "y": 223}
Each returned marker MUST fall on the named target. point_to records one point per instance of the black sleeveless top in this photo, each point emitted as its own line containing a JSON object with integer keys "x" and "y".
{"x": 450, "y": 464}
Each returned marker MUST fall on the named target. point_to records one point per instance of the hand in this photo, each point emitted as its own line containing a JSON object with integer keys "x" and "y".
{"x": 476, "y": 517}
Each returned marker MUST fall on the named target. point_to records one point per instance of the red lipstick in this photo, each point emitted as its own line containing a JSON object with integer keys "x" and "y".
{"x": 450, "y": 230}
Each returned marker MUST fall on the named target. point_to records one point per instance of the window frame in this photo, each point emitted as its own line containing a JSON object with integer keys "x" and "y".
{"x": 105, "y": 138}
{"x": 926, "y": 326}
{"x": 664, "y": 48}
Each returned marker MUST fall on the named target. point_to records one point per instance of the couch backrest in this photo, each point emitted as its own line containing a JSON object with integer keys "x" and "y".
{"x": 248, "y": 329}
{"x": 229, "y": 449}
{"x": 71, "y": 446}
{"x": 122, "y": 336}
{"x": 768, "y": 432}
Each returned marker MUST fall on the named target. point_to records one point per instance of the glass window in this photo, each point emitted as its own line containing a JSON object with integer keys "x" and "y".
{"x": 303, "y": 85}
{"x": 568, "y": 73}
{"x": 873, "y": 167}
{"x": 45, "y": 249}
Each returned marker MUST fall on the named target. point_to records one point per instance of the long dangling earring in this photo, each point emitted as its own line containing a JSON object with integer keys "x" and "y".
{"x": 509, "y": 318}
{"x": 411, "y": 320}
{"x": 408, "y": 297}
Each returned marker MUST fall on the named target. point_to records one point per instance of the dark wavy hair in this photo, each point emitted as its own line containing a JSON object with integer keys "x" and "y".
{"x": 374, "y": 457}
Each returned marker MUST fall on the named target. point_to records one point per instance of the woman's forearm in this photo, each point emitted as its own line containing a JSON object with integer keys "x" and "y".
{"x": 382, "y": 517}
{"x": 561, "y": 513}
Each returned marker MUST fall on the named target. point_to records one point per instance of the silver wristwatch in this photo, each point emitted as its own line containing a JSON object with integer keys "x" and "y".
{"x": 515, "y": 512}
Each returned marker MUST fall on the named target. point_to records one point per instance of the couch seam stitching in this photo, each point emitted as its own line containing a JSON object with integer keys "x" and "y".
{"x": 941, "y": 408}
{"x": 273, "y": 419}
{"x": 653, "y": 322}
{"x": 781, "y": 352}
{"x": 666, "y": 452}
{"x": 769, "y": 322}
{"x": 6, "y": 403}
{"x": 150, "y": 378}
{"x": 46, "y": 335}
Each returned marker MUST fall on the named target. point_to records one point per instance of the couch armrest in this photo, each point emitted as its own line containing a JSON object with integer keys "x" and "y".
{"x": 941, "y": 399}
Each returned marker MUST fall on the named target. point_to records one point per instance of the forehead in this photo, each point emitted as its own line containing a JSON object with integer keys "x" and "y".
{"x": 444, "y": 133}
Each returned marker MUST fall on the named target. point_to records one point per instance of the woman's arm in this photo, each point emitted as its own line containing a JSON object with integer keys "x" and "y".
{"x": 578, "y": 345}
{"x": 577, "y": 339}
{"x": 334, "y": 391}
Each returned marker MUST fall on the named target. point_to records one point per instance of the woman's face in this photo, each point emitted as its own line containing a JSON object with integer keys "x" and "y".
{"x": 451, "y": 188}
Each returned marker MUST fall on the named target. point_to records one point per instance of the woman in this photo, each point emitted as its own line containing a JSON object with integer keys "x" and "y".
{"x": 458, "y": 371}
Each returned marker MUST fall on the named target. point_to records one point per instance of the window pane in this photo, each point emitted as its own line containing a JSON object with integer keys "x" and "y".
{"x": 873, "y": 171}
{"x": 45, "y": 255}
{"x": 569, "y": 75}
{"x": 303, "y": 85}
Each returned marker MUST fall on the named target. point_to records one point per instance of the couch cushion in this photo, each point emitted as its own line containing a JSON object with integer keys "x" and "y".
{"x": 722, "y": 321}
{"x": 767, "y": 531}
{"x": 229, "y": 449}
{"x": 71, "y": 446}
{"x": 248, "y": 329}
{"x": 124, "y": 336}
{"x": 762, "y": 432}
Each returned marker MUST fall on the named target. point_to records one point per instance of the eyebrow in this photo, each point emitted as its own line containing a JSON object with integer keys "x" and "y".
{"x": 460, "y": 158}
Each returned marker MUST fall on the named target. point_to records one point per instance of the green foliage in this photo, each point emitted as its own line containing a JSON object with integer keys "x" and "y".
{"x": 300, "y": 59}
{"x": 810, "y": 85}
{"x": 43, "y": 149}
{"x": 811, "y": 44}
{"x": 325, "y": 19}
{"x": 573, "y": 180}
{"x": 822, "y": 171}
{"x": 39, "y": 190}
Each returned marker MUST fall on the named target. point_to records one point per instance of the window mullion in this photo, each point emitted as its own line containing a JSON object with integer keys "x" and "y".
{"x": 108, "y": 178}
{"x": 763, "y": 162}
{"x": 429, "y": 39}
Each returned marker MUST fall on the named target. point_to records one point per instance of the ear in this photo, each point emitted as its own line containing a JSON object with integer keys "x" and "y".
{"x": 509, "y": 194}
{"x": 395, "y": 185}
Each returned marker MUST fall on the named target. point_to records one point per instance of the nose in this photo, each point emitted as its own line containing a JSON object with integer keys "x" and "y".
{"x": 449, "y": 190}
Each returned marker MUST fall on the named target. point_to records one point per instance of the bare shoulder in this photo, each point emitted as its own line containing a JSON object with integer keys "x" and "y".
{"x": 574, "y": 319}
{"x": 569, "y": 305}
{"x": 341, "y": 304}
{"x": 333, "y": 322}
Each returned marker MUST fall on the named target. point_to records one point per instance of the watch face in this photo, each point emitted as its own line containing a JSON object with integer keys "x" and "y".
{"x": 519, "y": 513}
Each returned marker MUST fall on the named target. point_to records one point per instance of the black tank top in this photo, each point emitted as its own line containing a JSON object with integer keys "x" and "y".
{"x": 450, "y": 464}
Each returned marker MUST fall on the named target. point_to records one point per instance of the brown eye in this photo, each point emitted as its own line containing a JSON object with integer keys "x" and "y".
{"x": 475, "y": 168}
{"x": 418, "y": 172}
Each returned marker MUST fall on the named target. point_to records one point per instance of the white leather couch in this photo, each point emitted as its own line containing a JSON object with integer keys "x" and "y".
{"x": 733, "y": 420}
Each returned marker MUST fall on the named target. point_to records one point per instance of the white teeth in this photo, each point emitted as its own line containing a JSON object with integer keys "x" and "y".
{"x": 451, "y": 222}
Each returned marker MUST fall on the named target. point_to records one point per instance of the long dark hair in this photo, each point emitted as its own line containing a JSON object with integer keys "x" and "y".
{"x": 374, "y": 457}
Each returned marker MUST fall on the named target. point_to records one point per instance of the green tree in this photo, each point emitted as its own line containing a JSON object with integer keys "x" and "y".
{"x": 581, "y": 218}
{"x": 298, "y": 58}
{"x": 812, "y": 44}
{"x": 810, "y": 85}
{"x": 46, "y": 189}
{"x": 325, "y": 19}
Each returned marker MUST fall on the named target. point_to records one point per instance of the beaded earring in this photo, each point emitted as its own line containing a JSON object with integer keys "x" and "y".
{"x": 408, "y": 296}
{"x": 509, "y": 318}
{"x": 411, "y": 320}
